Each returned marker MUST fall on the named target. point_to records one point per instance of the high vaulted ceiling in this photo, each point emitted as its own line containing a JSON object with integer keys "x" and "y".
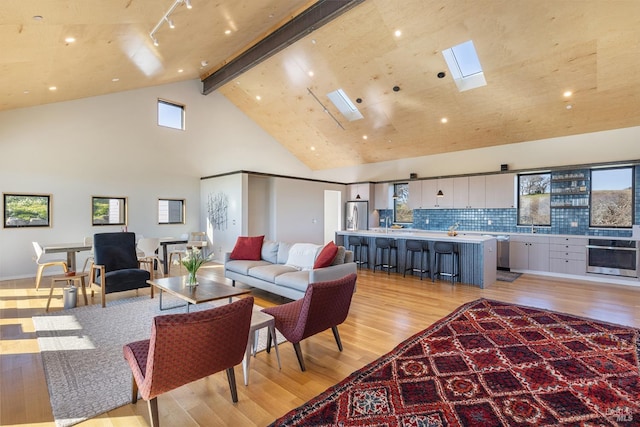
{"x": 531, "y": 53}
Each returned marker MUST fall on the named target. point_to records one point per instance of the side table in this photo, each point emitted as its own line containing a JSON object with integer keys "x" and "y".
{"x": 77, "y": 278}
{"x": 259, "y": 320}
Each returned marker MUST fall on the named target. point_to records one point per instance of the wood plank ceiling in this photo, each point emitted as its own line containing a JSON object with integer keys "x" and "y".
{"x": 531, "y": 53}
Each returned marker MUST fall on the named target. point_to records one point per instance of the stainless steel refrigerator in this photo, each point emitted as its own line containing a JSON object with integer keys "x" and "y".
{"x": 357, "y": 215}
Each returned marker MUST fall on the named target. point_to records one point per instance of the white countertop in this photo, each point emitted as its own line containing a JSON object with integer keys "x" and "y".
{"x": 465, "y": 233}
{"x": 406, "y": 233}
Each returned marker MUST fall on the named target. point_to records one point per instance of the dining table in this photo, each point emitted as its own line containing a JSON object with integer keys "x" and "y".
{"x": 166, "y": 241}
{"x": 71, "y": 250}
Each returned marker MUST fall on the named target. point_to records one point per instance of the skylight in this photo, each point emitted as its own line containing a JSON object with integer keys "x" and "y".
{"x": 464, "y": 66}
{"x": 344, "y": 105}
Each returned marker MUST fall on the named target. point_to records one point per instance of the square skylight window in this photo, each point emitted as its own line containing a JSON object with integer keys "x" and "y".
{"x": 345, "y": 105}
{"x": 464, "y": 66}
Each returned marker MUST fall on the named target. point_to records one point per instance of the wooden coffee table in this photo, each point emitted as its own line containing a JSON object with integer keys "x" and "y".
{"x": 206, "y": 290}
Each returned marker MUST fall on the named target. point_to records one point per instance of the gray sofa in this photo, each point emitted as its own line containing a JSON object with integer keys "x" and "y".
{"x": 273, "y": 274}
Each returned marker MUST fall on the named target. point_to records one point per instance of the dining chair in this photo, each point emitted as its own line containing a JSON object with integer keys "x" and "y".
{"x": 88, "y": 240}
{"x": 324, "y": 305}
{"x": 186, "y": 347}
{"x": 147, "y": 249}
{"x": 198, "y": 239}
{"x": 178, "y": 251}
{"x": 45, "y": 264}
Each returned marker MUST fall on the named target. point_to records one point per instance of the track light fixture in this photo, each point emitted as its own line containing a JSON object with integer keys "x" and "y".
{"x": 165, "y": 18}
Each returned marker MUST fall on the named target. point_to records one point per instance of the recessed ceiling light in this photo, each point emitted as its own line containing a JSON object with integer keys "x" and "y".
{"x": 52, "y": 88}
{"x": 313, "y": 41}
{"x": 313, "y": 148}
{"x": 180, "y": 70}
{"x": 444, "y": 120}
{"x": 227, "y": 32}
{"x": 26, "y": 92}
{"x": 310, "y": 73}
{"x": 258, "y": 97}
{"x": 70, "y": 39}
{"x": 37, "y": 17}
{"x": 204, "y": 63}
{"x": 569, "y": 107}
{"x": 398, "y": 33}
{"x": 365, "y": 137}
{"x": 115, "y": 79}
{"x": 567, "y": 94}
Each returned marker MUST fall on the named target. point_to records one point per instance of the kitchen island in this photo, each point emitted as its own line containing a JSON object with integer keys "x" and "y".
{"x": 477, "y": 252}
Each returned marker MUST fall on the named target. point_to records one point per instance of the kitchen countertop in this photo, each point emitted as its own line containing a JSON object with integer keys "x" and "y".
{"x": 406, "y": 233}
{"x": 409, "y": 231}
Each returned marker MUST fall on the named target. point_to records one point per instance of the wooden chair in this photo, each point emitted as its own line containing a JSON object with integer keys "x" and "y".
{"x": 178, "y": 252}
{"x": 324, "y": 305}
{"x": 186, "y": 347}
{"x": 116, "y": 267}
{"x": 45, "y": 264}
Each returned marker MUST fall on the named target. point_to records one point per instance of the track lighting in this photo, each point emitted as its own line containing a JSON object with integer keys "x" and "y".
{"x": 165, "y": 18}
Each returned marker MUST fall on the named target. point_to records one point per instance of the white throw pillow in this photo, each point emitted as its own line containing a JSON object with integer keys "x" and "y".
{"x": 303, "y": 255}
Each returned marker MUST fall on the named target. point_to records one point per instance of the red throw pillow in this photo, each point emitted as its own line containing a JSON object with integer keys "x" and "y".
{"x": 247, "y": 248}
{"x": 326, "y": 256}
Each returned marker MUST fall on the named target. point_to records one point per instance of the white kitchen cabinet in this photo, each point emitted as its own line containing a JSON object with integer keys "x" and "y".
{"x": 529, "y": 253}
{"x": 500, "y": 190}
{"x": 430, "y": 188}
{"x": 383, "y": 198}
{"x": 415, "y": 195}
{"x": 568, "y": 255}
{"x": 353, "y": 190}
{"x": 469, "y": 192}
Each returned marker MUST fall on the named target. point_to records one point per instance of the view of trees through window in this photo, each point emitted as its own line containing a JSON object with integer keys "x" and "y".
{"x": 612, "y": 197}
{"x": 534, "y": 199}
{"x": 402, "y": 213}
{"x": 28, "y": 210}
{"x": 108, "y": 210}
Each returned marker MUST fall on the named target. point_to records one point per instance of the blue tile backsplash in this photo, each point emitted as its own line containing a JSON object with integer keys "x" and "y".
{"x": 564, "y": 220}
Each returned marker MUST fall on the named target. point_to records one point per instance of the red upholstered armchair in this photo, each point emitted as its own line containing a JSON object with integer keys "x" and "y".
{"x": 186, "y": 347}
{"x": 324, "y": 305}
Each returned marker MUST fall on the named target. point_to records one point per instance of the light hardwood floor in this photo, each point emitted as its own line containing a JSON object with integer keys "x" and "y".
{"x": 385, "y": 311}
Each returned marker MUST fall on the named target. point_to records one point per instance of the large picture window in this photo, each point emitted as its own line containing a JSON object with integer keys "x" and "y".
{"x": 534, "y": 199}
{"x": 27, "y": 210}
{"x": 611, "y": 198}
{"x": 401, "y": 211}
{"x": 108, "y": 210}
{"x": 170, "y": 211}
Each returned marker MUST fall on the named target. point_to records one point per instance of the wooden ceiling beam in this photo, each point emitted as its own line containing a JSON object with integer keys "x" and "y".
{"x": 321, "y": 13}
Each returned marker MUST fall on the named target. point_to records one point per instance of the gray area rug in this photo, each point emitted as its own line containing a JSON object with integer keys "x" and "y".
{"x": 82, "y": 353}
{"x": 507, "y": 276}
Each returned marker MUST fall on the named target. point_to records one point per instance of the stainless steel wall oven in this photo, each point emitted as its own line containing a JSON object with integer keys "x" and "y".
{"x": 614, "y": 257}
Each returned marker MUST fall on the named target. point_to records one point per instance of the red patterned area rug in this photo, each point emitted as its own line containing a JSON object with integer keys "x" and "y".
{"x": 491, "y": 363}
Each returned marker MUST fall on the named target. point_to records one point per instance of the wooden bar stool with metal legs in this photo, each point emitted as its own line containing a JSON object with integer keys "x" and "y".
{"x": 385, "y": 249}
{"x": 359, "y": 244}
{"x": 421, "y": 248}
{"x": 450, "y": 251}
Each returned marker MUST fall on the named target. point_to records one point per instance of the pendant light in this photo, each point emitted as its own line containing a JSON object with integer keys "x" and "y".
{"x": 440, "y": 194}
{"x": 357, "y": 191}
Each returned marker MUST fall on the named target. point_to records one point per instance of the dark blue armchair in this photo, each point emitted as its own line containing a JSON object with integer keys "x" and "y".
{"x": 116, "y": 266}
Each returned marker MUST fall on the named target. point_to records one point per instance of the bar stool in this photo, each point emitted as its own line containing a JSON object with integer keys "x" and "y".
{"x": 417, "y": 247}
{"x": 442, "y": 249}
{"x": 356, "y": 244}
{"x": 386, "y": 246}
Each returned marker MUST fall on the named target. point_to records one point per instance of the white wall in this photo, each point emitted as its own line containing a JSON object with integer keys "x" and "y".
{"x": 111, "y": 146}
{"x": 596, "y": 147}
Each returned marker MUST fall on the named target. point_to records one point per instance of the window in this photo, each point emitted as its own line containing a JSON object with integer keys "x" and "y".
{"x": 534, "y": 199}
{"x": 401, "y": 211}
{"x": 27, "y": 210}
{"x": 109, "y": 210}
{"x": 170, "y": 211}
{"x": 611, "y": 197}
{"x": 170, "y": 114}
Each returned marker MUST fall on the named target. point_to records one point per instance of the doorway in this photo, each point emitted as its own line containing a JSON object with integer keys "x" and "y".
{"x": 332, "y": 214}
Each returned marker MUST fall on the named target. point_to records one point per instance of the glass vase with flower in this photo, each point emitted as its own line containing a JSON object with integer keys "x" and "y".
{"x": 192, "y": 262}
